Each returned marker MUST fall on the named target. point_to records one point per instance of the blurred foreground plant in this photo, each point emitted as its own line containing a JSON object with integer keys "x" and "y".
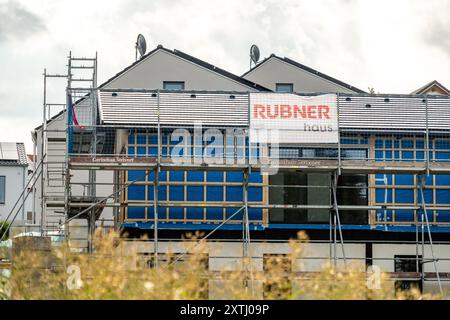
{"x": 115, "y": 271}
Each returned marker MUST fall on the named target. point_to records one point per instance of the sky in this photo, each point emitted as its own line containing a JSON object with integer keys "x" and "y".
{"x": 391, "y": 46}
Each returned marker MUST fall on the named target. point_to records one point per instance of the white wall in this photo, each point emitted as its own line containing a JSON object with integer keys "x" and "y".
{"x": 381, "y": 251}
{"x": 228, "y": 256}
{"x": 275, "y": 71}
{"x": 14, "y": 184}
{"x": 441, "y": 251}
{"x": 163, "y": 66}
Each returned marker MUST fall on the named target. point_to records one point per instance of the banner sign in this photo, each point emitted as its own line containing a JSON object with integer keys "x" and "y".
{"x": 289, "y": 118}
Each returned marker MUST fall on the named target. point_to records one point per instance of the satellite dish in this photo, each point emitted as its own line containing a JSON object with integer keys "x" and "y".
{"x": 141, "y": 45}
{"x": 254, "y": 54}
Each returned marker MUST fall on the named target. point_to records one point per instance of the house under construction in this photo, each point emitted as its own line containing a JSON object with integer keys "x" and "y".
{"x": 173, "y": 144}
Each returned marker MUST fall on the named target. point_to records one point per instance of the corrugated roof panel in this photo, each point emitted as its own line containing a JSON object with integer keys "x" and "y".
{"x": 219, "y": 109}
{"x": 211, "y": 109}
{"x": 439, "y": 113}
{"x": 377, "y": 112}
{"x": 128, "y": 107}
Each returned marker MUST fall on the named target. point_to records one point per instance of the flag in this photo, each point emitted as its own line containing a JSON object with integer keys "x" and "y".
{"x": 72, "y": 114}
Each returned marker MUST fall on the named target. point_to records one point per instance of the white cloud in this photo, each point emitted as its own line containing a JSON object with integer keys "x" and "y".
{"x": 393, "y": 46}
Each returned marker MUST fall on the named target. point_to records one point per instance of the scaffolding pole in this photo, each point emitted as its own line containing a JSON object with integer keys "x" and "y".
{"x": 88, "y": 94}
{"x": 104, "y": 199}
{"x": 337, "y": 218}
{"x": 43, "y": 152}
{"x": 247, "y": 261}
{"x": 339, "y": 138}
{"x": 156, "y": 187}
{"x": 330, "y": 243}
{"x": 156, "y": 218}
{"x": 334, "y": 218}
{"x": 92, "y": 173}
{"x": 427, "y": 137}
{"x": 422, "y": 182}
{"x": 67, "y": 186}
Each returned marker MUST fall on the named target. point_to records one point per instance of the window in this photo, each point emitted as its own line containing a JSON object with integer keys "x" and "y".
{"x": 284, "y": 87}
{"x": 283, "y": 194}
{"x": 315, "y": 189}
{"x": 407, "y": 264}
{"x": 173, "y": 85}
{"x": 2, "y": 189}
{"x": 353, "y": 190}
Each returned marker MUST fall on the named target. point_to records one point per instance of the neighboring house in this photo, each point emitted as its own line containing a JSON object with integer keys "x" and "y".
{"x": 13, "y": 178}
{"x": 432, "y": 88}
{"x": 286, "y": 75}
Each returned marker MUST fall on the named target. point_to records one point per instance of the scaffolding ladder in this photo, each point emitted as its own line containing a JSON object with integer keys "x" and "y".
{"x": 81, "y": 86}
{"x": 56, "y": 143}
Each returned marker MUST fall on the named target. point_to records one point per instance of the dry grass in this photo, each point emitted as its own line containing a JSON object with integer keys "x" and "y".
{"x": 115, "y": 273}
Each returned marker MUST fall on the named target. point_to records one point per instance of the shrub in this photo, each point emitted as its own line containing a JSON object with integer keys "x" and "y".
{"x": 4, "y": 227}
{"x": 113, "y": 271}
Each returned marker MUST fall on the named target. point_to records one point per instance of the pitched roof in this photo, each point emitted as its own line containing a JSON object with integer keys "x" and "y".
{"x": 13, "y": 154}
{"x": 184, "y": 56}
{"x": 194, "y": 60}
{"x": 307, "y": 69}
{"x": 428, "y": 86}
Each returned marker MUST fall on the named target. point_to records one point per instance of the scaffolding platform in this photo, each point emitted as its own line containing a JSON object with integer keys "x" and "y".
{"x": 345, "y": 166}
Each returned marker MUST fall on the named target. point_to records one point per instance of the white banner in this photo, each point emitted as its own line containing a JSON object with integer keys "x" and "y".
{"x": 289, "y": 118}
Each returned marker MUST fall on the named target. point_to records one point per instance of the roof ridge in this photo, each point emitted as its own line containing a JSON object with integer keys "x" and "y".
{"x": 219, "y": 70}
{"x": 307, "y": 69}
{"x": 260, "y": 63}
{"x": 183, "y": 55}
{"x": 429, "y": 84}
{"x": 193, "y": 59}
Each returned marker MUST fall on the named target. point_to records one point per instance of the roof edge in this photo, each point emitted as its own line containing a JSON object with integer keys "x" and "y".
{"x": 307, "y": 69}
{"x": 182, "y": 55}
{"x": 430, "y": 84}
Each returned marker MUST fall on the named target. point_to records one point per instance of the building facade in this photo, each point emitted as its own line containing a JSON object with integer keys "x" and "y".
{"x": 173, "y": 153}
{"x": 13, "y": 179}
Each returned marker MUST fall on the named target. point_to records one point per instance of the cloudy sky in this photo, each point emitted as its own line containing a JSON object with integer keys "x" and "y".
{"x": 392, "y": 46}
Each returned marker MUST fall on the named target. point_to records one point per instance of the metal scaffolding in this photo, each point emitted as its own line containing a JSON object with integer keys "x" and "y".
{"x": 90, "y": 206}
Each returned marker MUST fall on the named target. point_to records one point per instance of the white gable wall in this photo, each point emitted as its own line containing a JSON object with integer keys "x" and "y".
{"x": 163, "y": 66}
{"x": 274, "y": 71}
{"x": 15, "y": 177}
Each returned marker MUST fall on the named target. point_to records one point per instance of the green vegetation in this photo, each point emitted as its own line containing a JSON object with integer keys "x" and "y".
{"x": 4, "y": 226}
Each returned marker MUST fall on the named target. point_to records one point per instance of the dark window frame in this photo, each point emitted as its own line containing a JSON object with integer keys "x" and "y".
{"x": 300, "y": 195}
{"x": 284, "y": 84}
{"x": 3, "y": 198}
{"x": 174, "y": 82}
